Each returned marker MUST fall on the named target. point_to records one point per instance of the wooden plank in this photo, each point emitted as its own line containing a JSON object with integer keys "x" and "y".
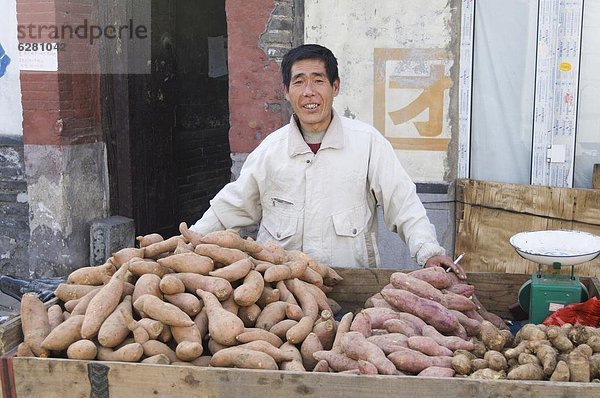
{"x": 488, "y": 214}
{"x": 46, "y": 378}
{"x": 10, "y": 335}
{"x": 596, "y": 176}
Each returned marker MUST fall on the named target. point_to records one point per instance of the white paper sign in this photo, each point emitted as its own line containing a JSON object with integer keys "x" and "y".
{"x": 217, "y": 57}
{"x": 44, "y": 61}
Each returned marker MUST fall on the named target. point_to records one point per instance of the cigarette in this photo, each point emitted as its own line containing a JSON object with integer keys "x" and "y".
{"x": 456, "y": 261}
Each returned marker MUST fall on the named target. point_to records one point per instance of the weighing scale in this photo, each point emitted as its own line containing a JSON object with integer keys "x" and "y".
{"x": 546, "y": 293}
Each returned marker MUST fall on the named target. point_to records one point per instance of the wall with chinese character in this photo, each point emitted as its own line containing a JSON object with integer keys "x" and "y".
{"x": 396, "y": 60}
{"x": 11, "y": 115}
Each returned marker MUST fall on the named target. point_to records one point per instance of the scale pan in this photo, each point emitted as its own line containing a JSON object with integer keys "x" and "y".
{"x": 566, "y": 247}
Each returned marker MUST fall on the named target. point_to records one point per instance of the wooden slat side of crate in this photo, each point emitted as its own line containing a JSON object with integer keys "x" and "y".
{"x": 488, "y": 214}
{"x": 58, "y": 378}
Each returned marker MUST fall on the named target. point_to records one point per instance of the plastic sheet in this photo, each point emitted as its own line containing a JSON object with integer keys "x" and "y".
{"x": 586, "y": 313}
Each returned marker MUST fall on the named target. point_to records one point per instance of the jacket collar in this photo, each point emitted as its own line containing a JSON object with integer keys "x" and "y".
{"x": 334, "y": 137}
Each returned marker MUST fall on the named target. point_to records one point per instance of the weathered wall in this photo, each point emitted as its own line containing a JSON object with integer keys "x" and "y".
{"x": 65, "y": 164}
{"x": 398, "y": 63}
{"x": 259, "y": 33}
{"x": 14, "y": 207}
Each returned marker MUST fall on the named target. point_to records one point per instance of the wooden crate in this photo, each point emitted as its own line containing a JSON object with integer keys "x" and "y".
{"x": 489, "y": 213}
{"x": 34, "y": 377}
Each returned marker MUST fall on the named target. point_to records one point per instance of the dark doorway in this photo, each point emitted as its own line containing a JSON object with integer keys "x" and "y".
{"x": 167, "y": 131}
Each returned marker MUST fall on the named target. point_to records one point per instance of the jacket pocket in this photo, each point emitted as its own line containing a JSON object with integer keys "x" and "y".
{"x": 352, "y": 222}
{"x": 279, "y": 226}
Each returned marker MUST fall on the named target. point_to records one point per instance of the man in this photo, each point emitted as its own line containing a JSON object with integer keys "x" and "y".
{"x": 314, "y": 184}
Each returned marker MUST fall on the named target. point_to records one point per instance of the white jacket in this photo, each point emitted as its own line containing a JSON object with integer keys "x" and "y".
{"x": 325, "y": 203}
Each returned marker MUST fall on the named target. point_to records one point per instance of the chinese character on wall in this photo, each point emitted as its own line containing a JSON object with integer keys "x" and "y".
{"x": 410, "y": 91}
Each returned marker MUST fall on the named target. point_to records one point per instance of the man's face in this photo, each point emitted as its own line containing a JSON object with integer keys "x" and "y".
{"x": 311, "y": 94}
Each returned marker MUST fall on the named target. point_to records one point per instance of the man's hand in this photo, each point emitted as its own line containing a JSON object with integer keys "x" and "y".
{"x": 446, "y": 263}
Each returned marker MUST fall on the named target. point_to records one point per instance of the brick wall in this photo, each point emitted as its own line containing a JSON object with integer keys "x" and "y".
{"x": 61, "y": 108}
{"x": 203, "y": 168}
{"x": 14, "y": 208}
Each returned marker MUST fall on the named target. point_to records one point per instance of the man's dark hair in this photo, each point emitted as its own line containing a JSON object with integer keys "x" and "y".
{"x": 309, "y": 51}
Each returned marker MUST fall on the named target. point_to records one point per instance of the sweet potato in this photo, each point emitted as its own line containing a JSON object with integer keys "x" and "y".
{"x": 170, "y": 284}
{"x": 66, "y": 292}
{"x": 234, "y": 271}
{"x": 252, "y": 334}
{"x": 430, "y": 311}
{"x": 158, "y": 359}
{"x": 114, "y": 329}
{"x": 332, "y": 278}
{"x": 82, "y": 349}
{"x": 268, "y": 296}
{"x": 220, "y": 254}
{"x": 357, "y": 347}
{"x": 235, "y": 357}
{"x": 188, "y": 262}
{"x": 201, "y": 322}
{"x": 153, "y": 327}
{"x": 219, "y": 287}
{"x": 322, "y": 366}
{"x": 96, "y": 275}
{"x": 496, "y": 361}
{"x": 311, "y": 276}
{"x": 103, "y": 304}
{"x": 223, "y": 326}
{"x": 165, "y": 246}
{"x": 250, "y": 291}
{"x": 192, "y": 237}
{"x": 139, "y": 267}
{"x": 298, "y": 332}
{"x": 147, "y": 284}
{"x": 231, "y": 240}
{"x": 65, "y": 334}
{"x": 122, "y": 256}
{"x": 23, "y": 350}
{"x": 285, "y": 294}
{"x": 325, "y": 331}
{"x": 188, "y": 350}
{"x": 337, "y": 361}
{"x": 451, "y": 342}
{"x": 401, "y": 280}
{"x": 187, "y": 302}
{"x": 277, "y": 354}
{"x": 249, "y": 314}
{"x": 146, "y": 240}
{"x": 310, "y": 345}
{"x": 280, "y": 328}
{"x": 362, "y": 324}
{"x": 295, "y": 364}
{"x": 305, "y": 298}
{"x": 435, "y": 276}
{"x": 55, "y": 316}
{"x": 472, "y": 326}
{"x": 412, "y": 361}
{"x": 436, "y": 371}
{"x": 342, "y": 328}
{"x": 271, "y": 252}
{"x": 166, "y": 313}
{"x": 428, "y": 346}
{"x": 129, "y": 353}
{"x": 399, "y": 326}
{"x": 83, "y": 303}
{"x": 389, "y": 342}
{"x": 35, "y": 323}
{"x": 271, "y": 314}
{"x": 155, "y": 347}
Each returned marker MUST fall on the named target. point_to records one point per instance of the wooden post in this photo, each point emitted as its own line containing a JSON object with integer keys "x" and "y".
{"x": 596, "y": 176}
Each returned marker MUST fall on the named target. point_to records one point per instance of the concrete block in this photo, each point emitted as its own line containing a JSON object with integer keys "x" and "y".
{"x": 109, "y": 235}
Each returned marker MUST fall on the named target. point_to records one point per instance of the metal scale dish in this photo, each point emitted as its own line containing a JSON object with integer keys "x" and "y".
{"x": 545, "y": 293}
